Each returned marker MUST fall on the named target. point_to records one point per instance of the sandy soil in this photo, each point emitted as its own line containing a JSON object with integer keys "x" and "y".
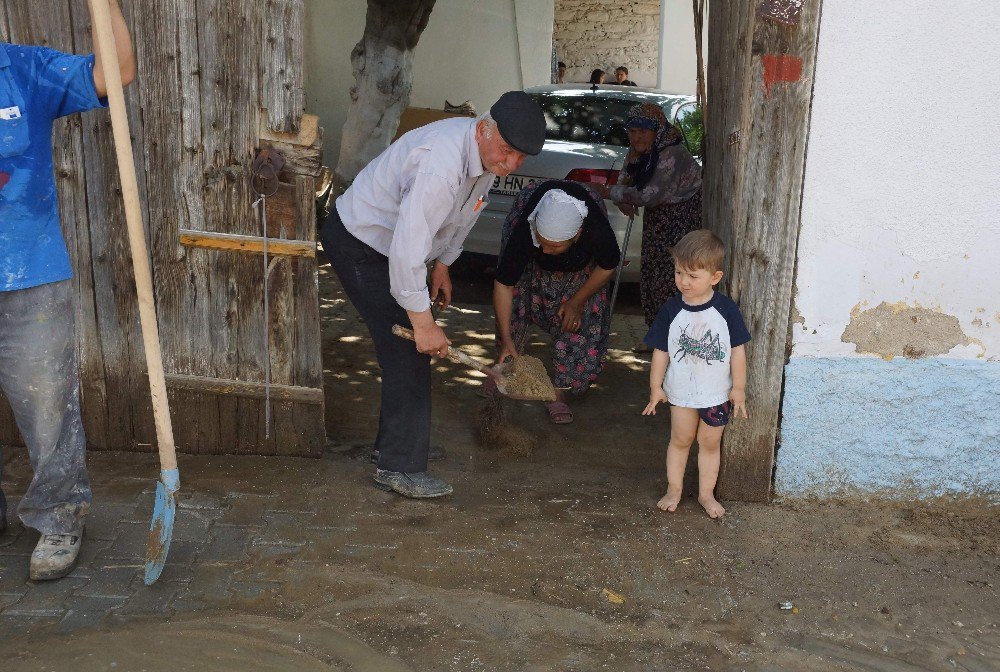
{"x": 559, "y": 560}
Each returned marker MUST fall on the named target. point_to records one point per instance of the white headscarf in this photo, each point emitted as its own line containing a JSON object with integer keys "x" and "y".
{"x": 557, "y": 217}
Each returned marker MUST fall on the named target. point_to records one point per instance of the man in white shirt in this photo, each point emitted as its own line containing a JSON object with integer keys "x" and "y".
{"x": 413, "y": 204}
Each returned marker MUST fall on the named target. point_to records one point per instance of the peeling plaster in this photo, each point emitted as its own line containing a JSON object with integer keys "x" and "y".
{"x": 900, "y": 330}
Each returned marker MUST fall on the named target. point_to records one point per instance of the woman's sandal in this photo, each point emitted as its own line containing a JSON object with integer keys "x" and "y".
{"x": 559, "y": 412}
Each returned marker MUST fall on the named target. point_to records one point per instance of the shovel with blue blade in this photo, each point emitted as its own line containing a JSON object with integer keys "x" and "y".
{"x": 162, "y": 526}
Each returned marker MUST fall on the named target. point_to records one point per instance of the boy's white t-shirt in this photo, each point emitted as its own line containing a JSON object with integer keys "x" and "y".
{"x": 699, "y": 340}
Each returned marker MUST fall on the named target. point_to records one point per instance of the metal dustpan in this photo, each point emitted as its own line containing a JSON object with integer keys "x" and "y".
{"x": 503, "y": 381}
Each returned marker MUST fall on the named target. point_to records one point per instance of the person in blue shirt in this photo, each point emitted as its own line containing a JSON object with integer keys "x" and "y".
{"x": 38, "y": 369}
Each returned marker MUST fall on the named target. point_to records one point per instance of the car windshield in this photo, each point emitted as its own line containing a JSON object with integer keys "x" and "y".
{"x": 585, "y": 118}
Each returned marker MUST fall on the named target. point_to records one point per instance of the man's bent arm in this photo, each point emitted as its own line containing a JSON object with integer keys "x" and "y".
{"x": 123, "y": 45}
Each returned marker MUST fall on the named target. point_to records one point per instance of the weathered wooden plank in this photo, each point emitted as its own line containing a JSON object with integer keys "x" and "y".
{"x": 308, "y": 366}
{"x": 243, "y": 388}
{"x": 156, "y": 34}
{"x": 282, "y": 58}
{"x": 300, "y": 160}
{"x": 229, "y": 36}
{"x": 764, "y": 236}
{"x": 254, "y": 244}
{"x": 309, "y": 131}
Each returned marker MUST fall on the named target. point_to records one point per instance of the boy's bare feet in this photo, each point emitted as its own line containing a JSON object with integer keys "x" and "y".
{"x": 711, "y": 506}
{"x": 669, "y": 501}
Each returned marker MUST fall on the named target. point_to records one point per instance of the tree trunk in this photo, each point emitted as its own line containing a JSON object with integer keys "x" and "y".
{"x": 383, "y": 67}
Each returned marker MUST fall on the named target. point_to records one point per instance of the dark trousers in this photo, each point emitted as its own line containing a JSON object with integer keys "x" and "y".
{"x": 404, "y": 424}
{"x": 38, "y": 375}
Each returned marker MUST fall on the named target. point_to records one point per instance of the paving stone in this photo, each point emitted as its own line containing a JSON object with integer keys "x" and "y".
{"x": 23, "y": 624}
{"x": 104, "y": 518}
{"x": 210, "y": 582}
{"x": 150, "y": 600}
{"x": 46, "y": 598}
{"x": 188, "y": 499}
{"x": 22, "y": 544}
{"x": 87, "y": 612}
{"x": 90, "y": 549}
{"x": 13, "y": 573}
{"x": 109, "y": 582}
{"x": 245, "y": 509}
{"x": 190, "y": 525}
{"x": 228, "y": 543}
{"x": 129, "y": 544}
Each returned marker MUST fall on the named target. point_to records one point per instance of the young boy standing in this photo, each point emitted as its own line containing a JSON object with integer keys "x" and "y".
{"x": 699, "y": 366}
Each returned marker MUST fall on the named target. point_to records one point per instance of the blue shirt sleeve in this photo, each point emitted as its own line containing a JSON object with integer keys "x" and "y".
{"x": 738, "y": 332}
{"x": 659, "y": 334}
{"x": 65, "y": 82}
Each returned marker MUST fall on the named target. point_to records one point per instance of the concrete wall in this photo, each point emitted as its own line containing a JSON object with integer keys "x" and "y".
{"x": 471, "y": 50}
{"x": 678, "y": 62}
{"x": 894, "y": 380}
{"x": 592, "y": 34}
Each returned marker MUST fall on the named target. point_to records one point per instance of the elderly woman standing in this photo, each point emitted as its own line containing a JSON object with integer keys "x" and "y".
{"x": 557, "y": 254}
{"x": 661, "y": 176}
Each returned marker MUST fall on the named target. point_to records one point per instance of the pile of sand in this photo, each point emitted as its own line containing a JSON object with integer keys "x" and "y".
{"x": 526, "y": 378}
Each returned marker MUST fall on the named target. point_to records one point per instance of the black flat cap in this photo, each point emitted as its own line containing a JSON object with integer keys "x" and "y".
{"x": 520, "y": 121}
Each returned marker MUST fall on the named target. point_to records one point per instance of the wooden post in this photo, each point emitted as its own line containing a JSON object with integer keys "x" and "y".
{"x": 759, "y": 100}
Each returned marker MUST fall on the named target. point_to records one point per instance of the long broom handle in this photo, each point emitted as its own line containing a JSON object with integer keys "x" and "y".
{"x": 101, "y": 12}
{"x": 621, "y": 264}
{"x": 454, "y": 354}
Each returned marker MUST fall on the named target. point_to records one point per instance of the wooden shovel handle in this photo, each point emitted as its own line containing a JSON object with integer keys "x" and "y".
{"x": 101, "y": 12}
{"x": 454, "y": 354}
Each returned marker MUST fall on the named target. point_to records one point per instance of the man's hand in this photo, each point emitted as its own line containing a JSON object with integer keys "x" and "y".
{"x": 429, "y": 337}
{"x": 656, "y": 396}
{"x": 739, "y": 398}
{"x": 440, "y": 286}
{"x": 571, "y": 315}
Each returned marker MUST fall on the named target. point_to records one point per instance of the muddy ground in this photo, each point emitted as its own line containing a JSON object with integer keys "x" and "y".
{"x": 553, "y": 561}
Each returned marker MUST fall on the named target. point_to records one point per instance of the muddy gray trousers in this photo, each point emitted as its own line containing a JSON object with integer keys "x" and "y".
{"x": 39, "y": 377}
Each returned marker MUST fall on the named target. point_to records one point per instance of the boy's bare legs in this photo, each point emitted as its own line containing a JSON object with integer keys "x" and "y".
{"x": 709, "y": 455}
{"x": 683, "y": 430}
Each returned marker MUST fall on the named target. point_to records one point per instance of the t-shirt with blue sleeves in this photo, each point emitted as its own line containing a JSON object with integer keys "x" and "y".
{"x": 699, "y": 340}
{"x": 37, "y": 86}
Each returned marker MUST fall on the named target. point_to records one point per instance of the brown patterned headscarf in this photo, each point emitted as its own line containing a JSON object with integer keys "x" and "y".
{"x": 639, "y": 168}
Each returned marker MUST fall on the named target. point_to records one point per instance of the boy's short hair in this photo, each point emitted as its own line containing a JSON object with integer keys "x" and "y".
{"x": 699, "y": 250}
{"x": 622, "y": 68}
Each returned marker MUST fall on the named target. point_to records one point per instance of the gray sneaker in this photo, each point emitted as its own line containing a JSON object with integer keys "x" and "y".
{"x": 419, "y": 486}
{"x": 54, "y": 556}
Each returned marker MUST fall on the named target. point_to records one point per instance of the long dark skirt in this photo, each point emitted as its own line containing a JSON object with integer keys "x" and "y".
{"x": 662, "y": 228}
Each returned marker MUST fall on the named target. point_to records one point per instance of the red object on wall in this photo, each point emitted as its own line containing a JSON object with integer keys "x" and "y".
{"x": 781, "y": 68}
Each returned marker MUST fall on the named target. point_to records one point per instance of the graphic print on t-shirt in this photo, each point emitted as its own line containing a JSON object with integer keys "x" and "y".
{"x": 707, "y": 347}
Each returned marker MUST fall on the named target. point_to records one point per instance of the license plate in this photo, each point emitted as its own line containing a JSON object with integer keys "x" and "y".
{"x": 513, "y": 184}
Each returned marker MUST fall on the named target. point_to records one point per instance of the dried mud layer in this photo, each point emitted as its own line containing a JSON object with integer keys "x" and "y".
{"x": 558, "y": 560}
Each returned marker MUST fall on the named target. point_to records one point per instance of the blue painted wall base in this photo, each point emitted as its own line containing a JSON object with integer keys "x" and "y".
{"x": 899, "y": 429}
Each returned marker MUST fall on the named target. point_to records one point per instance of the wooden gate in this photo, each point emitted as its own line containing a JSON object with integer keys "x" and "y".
{"x": 216, "y": 78}
{"x": 761, "y": 59}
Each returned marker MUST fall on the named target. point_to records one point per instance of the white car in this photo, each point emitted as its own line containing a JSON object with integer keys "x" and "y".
{"x": 585, "y": 140}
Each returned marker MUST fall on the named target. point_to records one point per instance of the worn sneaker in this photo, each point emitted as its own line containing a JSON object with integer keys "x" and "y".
{"x": 433, "y": 455}
{"x": 54, "y": 556}
{"x": 419, "y": 486}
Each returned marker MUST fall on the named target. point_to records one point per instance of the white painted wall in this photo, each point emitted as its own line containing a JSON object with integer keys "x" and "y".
{"x": 470, "y": 50}
{"x": 901, "y": 200}
{"x": 677, "y": 70}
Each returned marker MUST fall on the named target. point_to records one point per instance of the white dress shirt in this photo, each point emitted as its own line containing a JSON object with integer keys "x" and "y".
{"x": 417, "y": 201}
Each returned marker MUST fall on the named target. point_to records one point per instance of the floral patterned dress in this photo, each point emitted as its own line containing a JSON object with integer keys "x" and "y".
{"x": 672, "y": 207}
{"x": 577, "y": 356}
